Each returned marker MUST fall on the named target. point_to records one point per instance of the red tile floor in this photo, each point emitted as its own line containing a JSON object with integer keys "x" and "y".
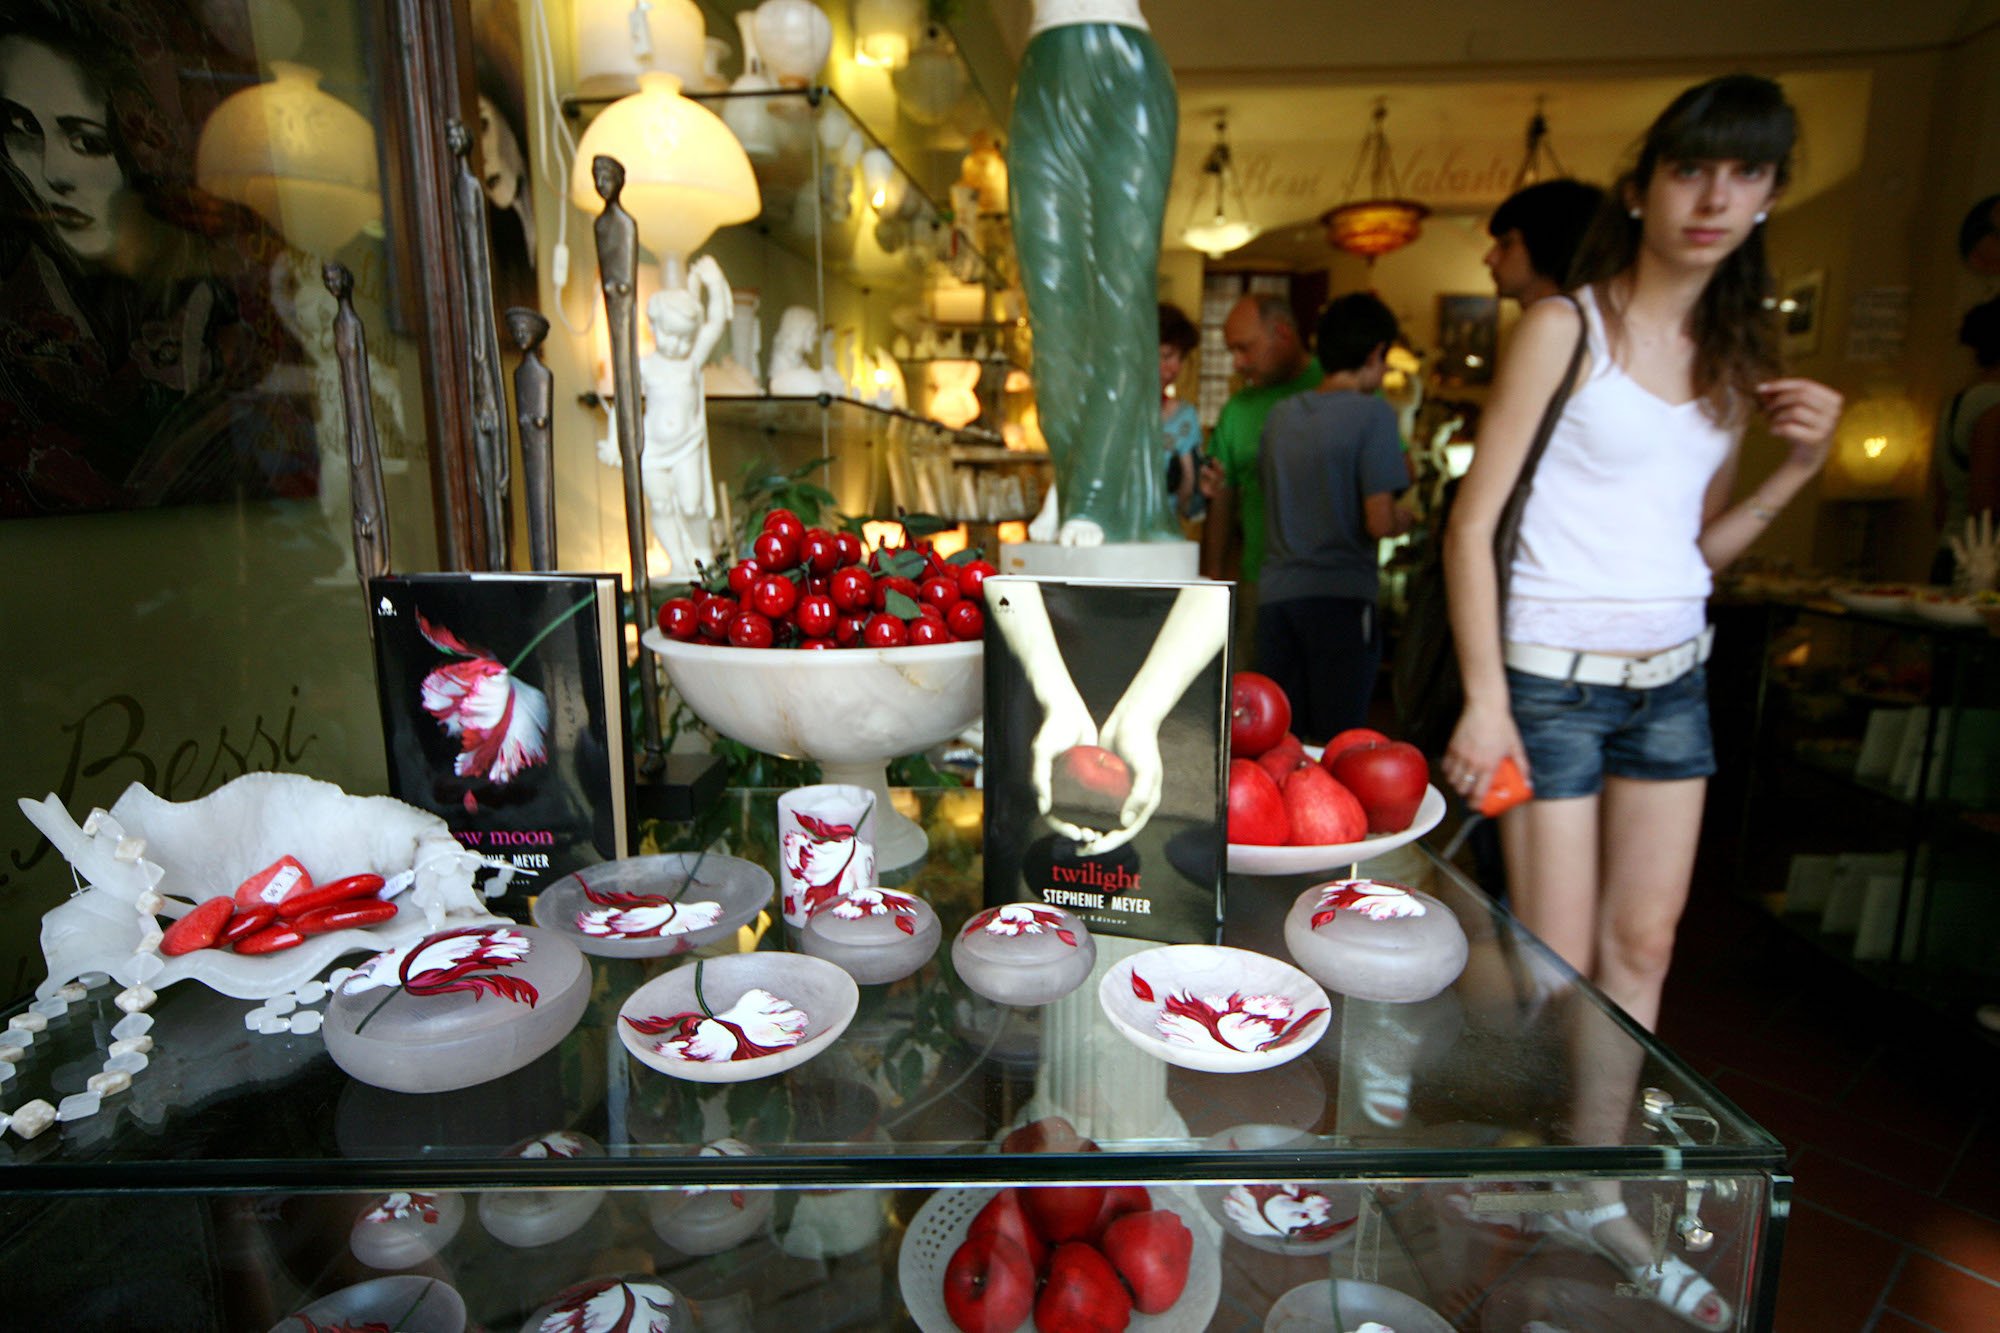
{"x": 1893, "y": 1136}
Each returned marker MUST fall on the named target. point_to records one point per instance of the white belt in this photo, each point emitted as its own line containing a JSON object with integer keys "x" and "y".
{"x": 1632, "y": 673}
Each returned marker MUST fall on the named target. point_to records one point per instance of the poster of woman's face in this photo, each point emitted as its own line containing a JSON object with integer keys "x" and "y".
{"x": 143, "y": 359}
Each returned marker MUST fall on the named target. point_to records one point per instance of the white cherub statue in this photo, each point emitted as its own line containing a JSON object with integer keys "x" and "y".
{"x": 673, "y": 466}
{"x": 797, "y": 336}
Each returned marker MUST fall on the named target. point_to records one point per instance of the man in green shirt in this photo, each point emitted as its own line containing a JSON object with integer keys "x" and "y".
{"x": 1270, "y": 356}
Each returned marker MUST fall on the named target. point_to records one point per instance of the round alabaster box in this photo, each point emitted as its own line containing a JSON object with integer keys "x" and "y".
{"x": 1023, "y": 953}
{"x": 1291, "y": 1217}
{"x": 708, "y": 1219}
{"x": 874, "y": 935}
{"x": 1370, "y": 1306}
{"x": 525, "y": 1218}
{"x": 402, "y": 1229}
{"x": 409, "y": 1304}
{"x": 1375, "y": 941}
{"x": 635, "y": 1304}
{"x": 456, "y": 1008}
{"x": 654, "y": 906}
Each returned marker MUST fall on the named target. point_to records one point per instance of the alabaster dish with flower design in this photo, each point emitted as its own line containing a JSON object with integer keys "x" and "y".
{"x": 408, "y": 1303}
{"x": 1375, "y": 940}
{"x": 709, "y": 1219}
{"x": 1023, "y": 953}
{"x": 1360, "y": 1306}
{"x": 738, "y": 1017}
{"x": 634, "y": 1304}
{"x": 1289, "y": 1217}
{"x": 526, "y": 1218}
{"x": 1214, "y": 1009}
{"x": 403, "y": 1228}
{"x": 875, "y": 935}
{"x": 654, "y": 906}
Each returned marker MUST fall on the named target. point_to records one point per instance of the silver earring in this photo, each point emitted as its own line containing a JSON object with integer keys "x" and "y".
{"x": 1632, "y": 213}
{"x": 1762, "y": 218}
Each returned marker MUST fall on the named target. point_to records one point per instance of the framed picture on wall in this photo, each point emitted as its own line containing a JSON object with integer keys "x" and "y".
{"x": 1468, "y": 334}
{"x": 1800, "y": 302}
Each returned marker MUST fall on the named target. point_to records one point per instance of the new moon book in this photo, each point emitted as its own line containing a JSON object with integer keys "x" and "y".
{"x": 1106, "y": 736}
{"x": 502, "y": 712}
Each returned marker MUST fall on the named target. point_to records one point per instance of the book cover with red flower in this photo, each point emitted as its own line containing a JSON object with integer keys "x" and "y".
{"x": 502, "y": 712}
{"x": 1106, "y": 732}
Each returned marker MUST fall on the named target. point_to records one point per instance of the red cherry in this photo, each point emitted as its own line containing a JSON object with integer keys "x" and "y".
{"x": 924, "y": 629}
{"x": 817, "y": 643}
{"x": 853, "y": 588}
{"x": 889, "y": 583}
{"x": 678, "y": 619}
{"x": 821, "y": 550}
{"x": 816, "y": 614}
{"x": 742, "y": 574}
{"x": 750, "y": 630}
{"x": 819, "y": 583}
{"x": 848, "y": 629}
{"x": 925, "y": 611}
{"x": 850, "y": 548}
{"x": 784, "y": 520}
{"x": 773, "y": 595}
{"x": 716, "y": 613}
{"x": 965, "y": 620}
{"x": 776, "y": 550}
{"x": 972, "y": 578}
{"x": 937, "y": 591}
{"x": 885, "y": 631}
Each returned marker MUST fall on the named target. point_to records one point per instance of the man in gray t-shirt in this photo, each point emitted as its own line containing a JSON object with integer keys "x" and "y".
{"x": 1331, "y": 462}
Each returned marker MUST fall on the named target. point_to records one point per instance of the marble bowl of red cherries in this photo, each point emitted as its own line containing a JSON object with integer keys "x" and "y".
{"x": 812, "y": 647}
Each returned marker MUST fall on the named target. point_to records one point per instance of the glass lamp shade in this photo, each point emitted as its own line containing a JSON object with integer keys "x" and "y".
{"x": 610, "y": 59}
{"x": 1219, "y": 235}
{"x": 302, "y": 159}
{"x": 1374, "y": 227}
{"x": 933, "y": 81}
{"x": 685, "y": 172}
{"x": 885, "y": 31}
{"x": 1874, "y": 451}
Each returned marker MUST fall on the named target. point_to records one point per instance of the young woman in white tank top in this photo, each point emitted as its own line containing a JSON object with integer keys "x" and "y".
{"x": 1597, "y": 673}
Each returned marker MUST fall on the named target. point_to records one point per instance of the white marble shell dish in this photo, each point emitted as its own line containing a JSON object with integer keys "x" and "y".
{"x": 633, "y": 1304}
{"x": 409, "y": 1303}
{"x": 724, "y": 892}
{"x": 1023, "y": 953}
{"x": 1246, "y": 859}
{"x": 890, "y": 702}
{"x": 827, "y": 996}
{"x": 197, "y": 850}
{"x": 1311, "y": 1309}
{"x": 1375, "y": 940}
{"x": 457, "y": 1008}
{"x": 874, "y": 935}
{"x": 1298, "y": 1217}
{"x": 1215, "y": 1009}
{"x": 710, "y": 1219}
{"x": 526, "y": 1218}
{"x": 404, "y": 1228}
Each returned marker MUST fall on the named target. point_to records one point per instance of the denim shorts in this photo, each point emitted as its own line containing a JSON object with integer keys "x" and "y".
{"x": 1578, "y": 734}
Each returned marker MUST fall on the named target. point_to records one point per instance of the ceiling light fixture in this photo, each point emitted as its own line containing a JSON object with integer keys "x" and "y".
{"x": 1533, "y": 166}
{"x": 1218, "y": 230}
{"x": 1384, "y": 220}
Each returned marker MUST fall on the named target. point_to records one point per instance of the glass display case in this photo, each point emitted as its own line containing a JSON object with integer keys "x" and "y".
{"x": 1472, "y": 1161}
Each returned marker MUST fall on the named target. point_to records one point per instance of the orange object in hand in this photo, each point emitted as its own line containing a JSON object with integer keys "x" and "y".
{"x": 1506, "y": 790}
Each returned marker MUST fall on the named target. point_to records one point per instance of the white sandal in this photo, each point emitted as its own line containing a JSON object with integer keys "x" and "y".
{"x": 1673, "y": 1282}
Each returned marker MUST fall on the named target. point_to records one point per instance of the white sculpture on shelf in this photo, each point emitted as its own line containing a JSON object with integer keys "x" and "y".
{"x": 791, "y": 376}
{"x": 736, "y": 373}
{"x": 687, "y": 324}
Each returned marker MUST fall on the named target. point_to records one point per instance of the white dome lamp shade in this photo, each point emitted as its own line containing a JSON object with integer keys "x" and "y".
{"x": 300, "y": 158}
{"x": 885, "y": 31}
{"x": 685, "y": 172}
{"x": 618, "y": 40}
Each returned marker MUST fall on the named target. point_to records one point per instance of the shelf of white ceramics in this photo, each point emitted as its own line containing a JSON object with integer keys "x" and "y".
{"x": 808, "y": 415}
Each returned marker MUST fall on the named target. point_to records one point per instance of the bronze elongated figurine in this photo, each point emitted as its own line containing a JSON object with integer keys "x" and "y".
{"x": 534, "y": 401}
{"x": 489, "y": 392}
{"x": 364, "y": 448}
{"x": 617, "y": 236}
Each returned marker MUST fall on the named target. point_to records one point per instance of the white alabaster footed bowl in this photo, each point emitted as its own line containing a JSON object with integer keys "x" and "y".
{"x": 851, "y": 709}
{"x": 1214, "y": 1009}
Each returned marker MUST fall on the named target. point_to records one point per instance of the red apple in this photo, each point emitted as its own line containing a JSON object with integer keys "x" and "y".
{"x": 1281, "y": 763}
{"x": 989, "y": 1285}
{"x": 1321, "y": 811}
{"x": 1003, "y": 1215}
{"x": 1118, "y": 1201}
{"x": 1289, "y": 744}
{"x": 1259, "y": 714}
{"x": 1256, "y": 809}
{"x": 1062, "y": 1212}
{"x": 1352, "y": 736}
{"x": 1150, "y": 1250}
{"x": 1052, "y": 1133}
{"x": 1082, "y": 1294}
{"x": 1089, "y": 785}
{"x": 1387, "y": 779}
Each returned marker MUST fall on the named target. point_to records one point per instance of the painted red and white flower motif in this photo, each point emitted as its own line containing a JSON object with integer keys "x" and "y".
{"x": 308, "y": 1326}
{"x": 1017, "y": 919}
{"x": 451, "y": 960}
{"x": 856, "y": 904}
{"x": 1372, "y": 898}
{"x": 821, "y": 859}
{"x": 501, "y": 722}
{"x": 404, "y": 1203}
{"x": 635, "y": 916}
{"x": 560, "y": 1143}
{"x": 611, "y": 1306}
{"x": 1283, "y": 1212}
{"x": 1235, "y": 1022}
{"x": 721, "y": 1148}
{"x": 758, "y": 1024}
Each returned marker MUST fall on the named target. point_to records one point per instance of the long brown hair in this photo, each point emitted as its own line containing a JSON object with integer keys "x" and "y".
{"x": 1740, "y": 118}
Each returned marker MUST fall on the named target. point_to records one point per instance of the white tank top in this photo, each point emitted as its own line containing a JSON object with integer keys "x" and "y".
{"x": 1608, "y": 560}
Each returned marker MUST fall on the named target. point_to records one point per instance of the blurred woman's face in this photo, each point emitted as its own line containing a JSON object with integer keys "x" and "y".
{"x": 1171, "y": 361}
{"x": 55, "y": 134}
